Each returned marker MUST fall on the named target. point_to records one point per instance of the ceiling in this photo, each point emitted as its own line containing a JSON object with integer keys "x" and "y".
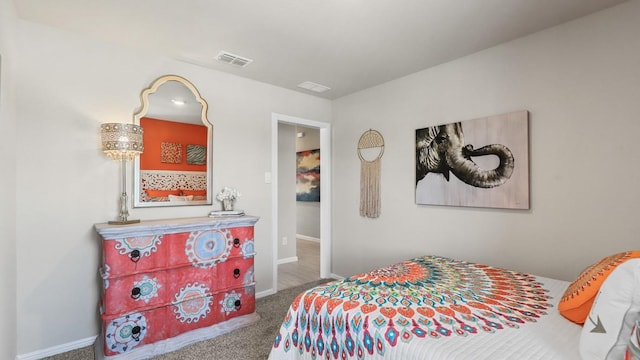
{"x": 347, "y": 45}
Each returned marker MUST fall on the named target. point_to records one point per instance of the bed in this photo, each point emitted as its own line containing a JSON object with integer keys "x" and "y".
{"x": 173, "y": 186}
{"x": 430, "y": 308}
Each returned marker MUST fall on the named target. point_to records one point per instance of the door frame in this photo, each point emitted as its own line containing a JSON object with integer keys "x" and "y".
{"x": 325, "y": 190}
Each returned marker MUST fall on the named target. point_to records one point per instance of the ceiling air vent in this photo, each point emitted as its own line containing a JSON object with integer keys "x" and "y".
{"x": 232, "y": 59}
{"x": 314, "y": 87}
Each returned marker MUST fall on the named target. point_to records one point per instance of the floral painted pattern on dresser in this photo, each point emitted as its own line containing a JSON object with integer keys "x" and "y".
{"x": 231, "y": 302}
{"x": 248, "y": 276}
{"x": 145, "y": 289}
{"x": 207, "y": 248}
{"x": 126, "y": 332}
{"x": 429, "y": 297}
{"x": 248, "y": 249}
{"x": 192, "y": 303}
{"x": 104, "y": 274}
{"x": 144, "y": 245}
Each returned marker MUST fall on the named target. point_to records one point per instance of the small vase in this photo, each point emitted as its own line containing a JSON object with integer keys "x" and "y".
{"x": 227, "y": 205}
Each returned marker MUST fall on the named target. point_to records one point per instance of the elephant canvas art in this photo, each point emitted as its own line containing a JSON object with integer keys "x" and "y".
{"x": 482, "y": 162}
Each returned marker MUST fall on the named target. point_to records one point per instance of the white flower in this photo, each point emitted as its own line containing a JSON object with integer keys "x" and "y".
{"x": 228, "y": 193}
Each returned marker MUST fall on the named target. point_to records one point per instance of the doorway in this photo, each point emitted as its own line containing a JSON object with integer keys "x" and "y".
{"x": 325, "y": 189}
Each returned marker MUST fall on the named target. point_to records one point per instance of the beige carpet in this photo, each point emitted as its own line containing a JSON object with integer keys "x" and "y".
{"x": 249, "y": 343}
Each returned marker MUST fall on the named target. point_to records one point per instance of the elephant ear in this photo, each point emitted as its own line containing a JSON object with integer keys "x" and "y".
{"x": 428, "y": 155}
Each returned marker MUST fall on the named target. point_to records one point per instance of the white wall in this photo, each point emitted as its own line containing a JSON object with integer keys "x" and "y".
{"x": 7, "y": 183}
{"x": 310, "y": 141}
{"x": 580, "y": 82}
{"x": 286, "y": 191}
{"x": 308, "y": 212}
{"x": 69, "y": 84}
{"x": 308, "y": 218}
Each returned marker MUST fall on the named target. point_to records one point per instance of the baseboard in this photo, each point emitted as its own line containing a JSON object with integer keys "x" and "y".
{"x": 336, "y": 276}
{"x": 287, "y": 260}
{"x": 59, "y": 349}
{"x": 308, "y": 238}
{"x": 264, "y": 293}
{"x": 78, "y": 344}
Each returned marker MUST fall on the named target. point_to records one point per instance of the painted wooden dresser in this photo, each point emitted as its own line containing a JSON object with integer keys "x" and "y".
{"x": 170, "y": 283}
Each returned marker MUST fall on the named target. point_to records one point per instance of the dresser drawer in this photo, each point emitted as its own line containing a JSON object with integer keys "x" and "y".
{"x": 235, "y": 272}
{"x": 123, "y": 294}
{"x": 236, "y": 302}
{"x": 195, "y": 308}
{"x": 132, "y": 255}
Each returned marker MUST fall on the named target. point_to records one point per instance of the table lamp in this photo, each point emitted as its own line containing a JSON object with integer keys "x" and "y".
{"x": 122, "y": 142}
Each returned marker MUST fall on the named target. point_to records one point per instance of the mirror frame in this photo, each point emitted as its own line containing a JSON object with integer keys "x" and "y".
{"x": 144, "y": 108}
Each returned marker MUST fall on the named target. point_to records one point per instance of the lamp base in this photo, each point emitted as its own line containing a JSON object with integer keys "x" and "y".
{"x": 126, "y": 222}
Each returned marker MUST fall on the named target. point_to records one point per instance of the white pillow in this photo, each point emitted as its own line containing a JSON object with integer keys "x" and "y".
{"x": 606, "y": 331}
{"x": 175, "y": 198}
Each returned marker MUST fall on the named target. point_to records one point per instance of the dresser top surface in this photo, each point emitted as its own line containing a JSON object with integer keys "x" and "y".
{"x": 173, "y": 225}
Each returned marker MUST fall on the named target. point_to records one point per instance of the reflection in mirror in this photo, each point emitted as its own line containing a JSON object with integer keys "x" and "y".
{"x": 175, "y": 168}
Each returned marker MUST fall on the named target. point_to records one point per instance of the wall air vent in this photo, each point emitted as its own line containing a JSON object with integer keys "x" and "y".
{"x": 314, "y": 87}
{"x": 232, "y": 59}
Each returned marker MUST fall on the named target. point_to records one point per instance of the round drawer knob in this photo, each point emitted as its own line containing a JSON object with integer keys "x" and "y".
{"x": 135, "y": 293}
{"x": 135, "y": 333}
{"x": 236, "y": 243}
{"x": 135, "y": 255}
{"x": 238, "y": 304}
{"x": 236, "y": 273}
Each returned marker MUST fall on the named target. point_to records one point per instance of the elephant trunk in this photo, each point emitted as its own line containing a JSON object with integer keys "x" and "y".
{"x": 468, "y": 171}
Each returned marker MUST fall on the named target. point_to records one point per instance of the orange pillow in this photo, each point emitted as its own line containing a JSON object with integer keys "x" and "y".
{"x": 576, "y": 302}
{"x": 161, "y": 193}
{"x": 194, "y": 192}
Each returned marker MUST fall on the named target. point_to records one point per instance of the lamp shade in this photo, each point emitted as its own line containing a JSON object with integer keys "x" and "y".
{"x": 121, "y": 141}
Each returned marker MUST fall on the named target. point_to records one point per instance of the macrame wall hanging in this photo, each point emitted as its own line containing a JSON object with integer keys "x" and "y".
{"x": 370, "y": 150}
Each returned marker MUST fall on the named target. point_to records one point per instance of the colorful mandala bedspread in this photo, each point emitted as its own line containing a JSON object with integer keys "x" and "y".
{"x": 423, "y": 298}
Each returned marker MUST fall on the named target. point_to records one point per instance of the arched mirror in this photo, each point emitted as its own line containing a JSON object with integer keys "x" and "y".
{"x": 175, "y": 168}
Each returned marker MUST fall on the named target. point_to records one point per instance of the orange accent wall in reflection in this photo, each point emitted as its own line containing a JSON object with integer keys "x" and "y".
{"x": 158, "y": 131}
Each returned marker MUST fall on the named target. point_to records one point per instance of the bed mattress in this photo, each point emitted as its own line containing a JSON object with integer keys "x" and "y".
{"x": 430, "y": 308}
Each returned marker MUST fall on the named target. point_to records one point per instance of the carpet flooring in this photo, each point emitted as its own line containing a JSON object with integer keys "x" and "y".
{"x": 248, "y": 343}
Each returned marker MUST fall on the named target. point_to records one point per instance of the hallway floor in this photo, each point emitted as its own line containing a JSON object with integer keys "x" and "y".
{"x": 306, "y": 269}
